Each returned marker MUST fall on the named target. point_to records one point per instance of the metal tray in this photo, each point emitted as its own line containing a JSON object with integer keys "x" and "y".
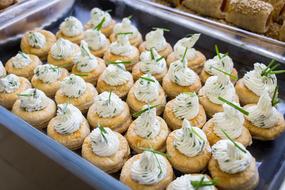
{"x": 269, "y": 155}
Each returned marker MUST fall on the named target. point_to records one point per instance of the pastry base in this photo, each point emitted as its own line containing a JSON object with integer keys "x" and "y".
{"x": 246, "y": 180}
{"x": 126, "y": 178}
{"x": 73, "y": 39}
{"x": 118, "y": 123}
{"x": 7, "y": 100}
{"x": 83, "y": 102}
{"x": 266, "y": 134}
{"x": 107, "y": 31}
{"x": 49, "y": 88}
{"x": 138, "y": 143}
{"x": 165, "y": 52}
{"x": 175, "y": 123}
{"x": 184, "y": 163}
{"x": 72, "y": 141}
{"x": 133, "y": 41}
{"x": 109, "y": 164}
{"x": 246, "y": 96}
{"x": 100, "y": 52}
{"x": 38, "y": 119}
{"x": 204, "y": 76}
{"x": 196, "y": 64}
{"x": 136, "y": 105}
{"x": 172, "y": 89}
{"x": 120, "y": 90}
{"x": 137, "y": 73}
{"x": 42, "y": 53}
{"x": 108, "y": 56}
{"x": 244, "y": 138}
{"x": 93, "y": 76}
{"x": 27, "y": 71}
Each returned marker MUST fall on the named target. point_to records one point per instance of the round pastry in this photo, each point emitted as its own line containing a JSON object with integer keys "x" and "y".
{"x": 148, "y": 131}
{"x": 69, "y": 127}
{"x": 47, "y": 78}
{"x": 234, "y": 167}
{"x": 254, "y": 83}
{"x": 38, "y": 42}
{"x": 184, "y": 106}
{"x": 62, "y": 54}
{"x": 126, "y": 26}
{"x": 146, "y": 90}
{"x": 192, "y": 182}
{"x": 264, "y": 121}
{"x": 97, "y": 42}
{"x": 71, "y": 29}
{"x": 97, "y": 15}
{"x": 230, "y": 121}
{"x": 147, "y": 171}
{"x": 214, "y": 87}
{"x": 110, "y": 111}
{"x": 106, "y": 149}
{"x": 76, "y": 91}
{"x": 188, "y": 149}
{"x": 150, "y": 62}
{"x": 10, "y": 87}
{"x": 23, "y": 65}
{"x": 122, "y": 50}
{"x": 35, "y": 107}
{"x": 221, "y": 62}
{"x": 155, "y": 39}
{"x": 3, "y": 72}
{"x": 195, "y": 59}
{"x": 87, "y": 65}
{"x": 115, "y": 78}
{"x": 180, "y": 78}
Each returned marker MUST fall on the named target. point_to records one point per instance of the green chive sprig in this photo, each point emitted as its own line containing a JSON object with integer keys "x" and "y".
{"x": 184, "y": 55}
{"x": 109, "y": 98}
{"x": 82, "y": 74}
{"x": 100, "y": 25}
{"x": 124, "y": 33}
{"x": 151, "y": 54}
{"x": 226, "y": 73}
{"x": 164, "y": 29}
{"x": 157, "y": 60}
{"x": 270, "y": 69}
{"x": 156, "y": 152}
{"x": 27, "y": 95}
{"x": 275, "y": 100}
{"x": 196, "y": 134}
{"x": 23, "y": 55}
{"x": 147, "y": 79}
{"x": 119, "y": 62}
{"x": 130, "y": 17}
{"x": 202, "y": 183}
{"x": 137, "y": 114}
{"x": 243, "y": 111}
{"x": 103, "y": 132}
{"x": 236, "y": 145}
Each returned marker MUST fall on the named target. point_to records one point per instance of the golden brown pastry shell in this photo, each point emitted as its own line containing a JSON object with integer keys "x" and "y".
{"x": 165, "y": 52}
{"x": 109, "y": 164}
{"x": 72, "y": 141}
{"x": 107, "y": 31}
{"x": 204, "y": 75}
{"x": 74, "y": 39}
{"x": 133, "y": 41}
{"x": 245, "y": 95}
{"x": 100, "y": 52}
{"x": 126, "y": 178}
{"x": 119, "y": 123}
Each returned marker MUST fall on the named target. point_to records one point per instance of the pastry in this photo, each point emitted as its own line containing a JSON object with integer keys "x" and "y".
{"x": 6, "y": 3}
{"x": 188, "y": 149}
{"x": 62, "y": 54}
{"x": 115, "y": 78}
{"x": 146, "y": 90}
{"x": 34, "y": 107}
{"x": 155, "y": 39}
{"x": 195, "y": 59}
{"x": 47, "y": 78}
{"x": 106, "y": 149}
{"x": 150, "y": 62}
{"x": 147, "y": 171}
{"x": 221, "y": 62}
{"x": 232, "y": 122}
{"x": 214, "y": 87}
{"x": 126, "y": 26}
{"x": 192, "y": 182}
{"x": 180, "y": 78}
{"x": 254, "y": 83}
{"x": 110, "y": 111}
{"x": 233, "y": 166}
{"x": 97, "y": 15}
{"x": 23, "y": 65}
{"x": 87, "y": 65}
{"x": 264, "y": 121}
{"x": 3, "y": 72}
{"x": 184, "y": 106}
{"x": 38, "y": 42}
{"x": 10, "y": 86}
{"x": 148, "y": 131}
{"x": 71, "y": 29}
{"x": 68, "y": 127}
{"x": 122, "y": 50}
{"x": 76, "y": 91}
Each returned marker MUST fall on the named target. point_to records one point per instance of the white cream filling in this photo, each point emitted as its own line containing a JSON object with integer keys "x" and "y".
{"x": 116, "y": 75}
{"x": 155, "y": 39}
{"x": 97, "y": 15}
{"x": 47, "y": 73}
{"x": 95, "y": 39}
{"x": 36, "y": 40}
{"x": 63, "y": 49}
{"x": 9, "y": 83}
{"x": 122, "y": 46}
{"x": 225, "y": 64}
{"x": 71, "y": 27}
{"x": 21, "y": 60}
{"x": 182, "y": 44}
{"x": 152, "y": 65}
{"x": 73, "y": 86}
{"x": 2, "y": 70}
{"x": 33, "y": 100}
{"x": 126, "y": 26}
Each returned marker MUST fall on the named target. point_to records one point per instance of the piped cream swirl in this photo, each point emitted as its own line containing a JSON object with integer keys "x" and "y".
{"x": 126, "y": 26}
{"x": 9, "y": 83}
{"x": 155, "y": 39}
{"x": 186, "y": 106}
{"x": 152, "y": 65}
{"x": 47, "y": 73}
{"x": 225, "y": 64}
{"x": 122, "y": 46}
{"x": 71, "y": 27}
{"x": 182, "y": 44}
{"x": 21, "y": 60}
{"x": 95, "y": 39}
{"x": 116, "y": 75}
{"x": 63, "y": 49}
{"x": 97, "y": 15}
{"x": 33, "y": 100}
{"x": 73, "y": 86}
{"x": 36, "y": 40}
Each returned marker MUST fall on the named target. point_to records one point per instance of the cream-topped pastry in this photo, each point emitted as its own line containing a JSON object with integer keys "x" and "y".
{"x": 63, "y": 49}
{"x": 21, "y": 60}
{"x": 155, "y": 39}
{"x": 126, "y": 26}
{"x": 47, "y": 73}
{"x": 2, "y": 70}
{"x": 71, "y": 27}
{"x": 182, "y": 44}
{"x": 33, "y": 100}
{"x": 116, "y": 75}
{"x": 36, "y": 39}
{"x": 186, "y": 106}
{"x": 9, "y": 83}
{"x": 97, "y": 15}
{"x": 225, "y": 64}
{"x": 151, "y": 62}
{"x": 96, "y": 39}
{"x": 122, "y": 46}
{"x": 73, "y": 86}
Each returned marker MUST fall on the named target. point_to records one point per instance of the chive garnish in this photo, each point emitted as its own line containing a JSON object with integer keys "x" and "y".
{"x": 196, "y": 134}
{"x": 103, "y": 132}
{"x": 147, "y": 79}
{"x": 109, "y": 98}
{"x": 144, "y": 110}
{"x": 151, "y": 54}
{"x": 119, "y": 62}
{"x": 156, "y": 152}
{"x": 192, "y": 94}
{"x": 236, "y": 145}
{"x": 24, "y": 94}
{"x": 164, "y": 29}
{"x": 270, "y": 69}
{"x": 82, "y": 74}
{"x": 233, "y": 105}
{"x": 100, "y": 25}
{"x": 159, "y": 59}
{"x": 124, "y": 33}
{"x": 23, "y": 54}
{"x": 218, "y": 52}
{"x": 130, "y": 17}
{"x": 202, "y": 183}
{"x": 185, "y": 52}
{"x": 226, "y": 73}
{"x": 275, "y": 100}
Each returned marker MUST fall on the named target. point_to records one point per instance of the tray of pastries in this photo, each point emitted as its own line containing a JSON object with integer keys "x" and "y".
{"x": 119, "y": 90}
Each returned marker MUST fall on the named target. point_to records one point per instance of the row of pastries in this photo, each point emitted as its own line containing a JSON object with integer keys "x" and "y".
{"x": 107, "y": 91}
